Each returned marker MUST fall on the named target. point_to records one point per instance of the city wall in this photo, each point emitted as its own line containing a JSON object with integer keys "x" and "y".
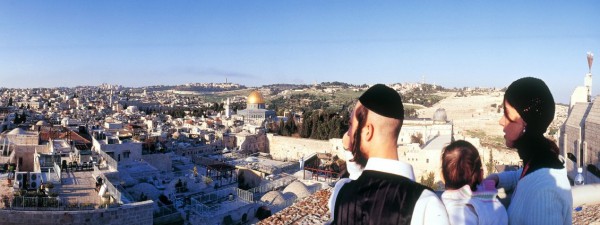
{"x": 131, "y": 214}
{"x": 292, "y": 149}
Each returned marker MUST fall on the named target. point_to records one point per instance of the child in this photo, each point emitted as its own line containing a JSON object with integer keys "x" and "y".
{"x": 465, "y": 201}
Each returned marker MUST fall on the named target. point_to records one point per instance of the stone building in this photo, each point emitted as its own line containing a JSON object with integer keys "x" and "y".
{"x": 580, "y": 132}
{"x": 580, "y": 137}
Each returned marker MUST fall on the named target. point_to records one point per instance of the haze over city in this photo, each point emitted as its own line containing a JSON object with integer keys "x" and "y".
{"x": 139, "y": 43}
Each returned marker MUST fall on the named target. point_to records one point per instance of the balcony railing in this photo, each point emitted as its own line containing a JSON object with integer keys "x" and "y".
{"x": 51, "y": 203}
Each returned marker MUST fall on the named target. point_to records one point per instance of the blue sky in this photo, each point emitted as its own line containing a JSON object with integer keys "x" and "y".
{"x": 452, "y": 43}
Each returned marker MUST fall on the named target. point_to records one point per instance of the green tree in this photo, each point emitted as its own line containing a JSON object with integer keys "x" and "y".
{"x": 290, "y": 125}
{"x": 417, "y": 138}
{"x": 306, "y": 126}
{"x": 428, "y": 181}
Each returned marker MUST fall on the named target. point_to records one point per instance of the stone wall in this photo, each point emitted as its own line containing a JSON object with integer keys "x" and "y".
{"x": 592, "y": 140}
{"x": 130, "y": 214}
{"x": 572, "y": 136}
{"x": 292, "y": 149}
{"x": 252, "y": 142}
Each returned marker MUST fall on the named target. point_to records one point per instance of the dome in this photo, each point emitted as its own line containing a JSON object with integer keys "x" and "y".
{"x": 298, "y": 188}
{"x": 440, "y": 115}
{"x": 273, "y": 198}
{"x": 255, "y": 98}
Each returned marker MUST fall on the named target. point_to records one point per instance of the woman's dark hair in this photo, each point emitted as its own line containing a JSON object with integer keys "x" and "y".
{"x": 357, "y": 155}
{"x": 461, "y": 165}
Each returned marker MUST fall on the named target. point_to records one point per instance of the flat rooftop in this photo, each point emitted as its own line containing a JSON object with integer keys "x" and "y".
{"x": 79, "y": 187}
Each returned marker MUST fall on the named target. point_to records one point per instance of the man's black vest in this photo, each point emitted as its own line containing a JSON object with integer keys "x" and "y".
{"x": 377, "y": 198}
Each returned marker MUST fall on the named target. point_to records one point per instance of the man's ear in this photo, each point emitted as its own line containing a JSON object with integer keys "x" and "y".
{"x": 367, "y": 132}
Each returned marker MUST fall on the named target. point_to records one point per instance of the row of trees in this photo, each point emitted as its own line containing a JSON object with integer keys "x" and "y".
{"x": 324, "y": 124}
{"x": 317, "y": 124}
{"x": 287, "y": 128}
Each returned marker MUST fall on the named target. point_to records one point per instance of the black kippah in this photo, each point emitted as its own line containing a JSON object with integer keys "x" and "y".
{"x": 384, "y": 101}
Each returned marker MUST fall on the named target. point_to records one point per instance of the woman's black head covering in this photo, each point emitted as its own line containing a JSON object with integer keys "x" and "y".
{"x": 534, "y": 103}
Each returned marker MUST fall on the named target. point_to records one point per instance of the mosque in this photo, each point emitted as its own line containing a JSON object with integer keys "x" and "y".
{"x": 256, "y": 113}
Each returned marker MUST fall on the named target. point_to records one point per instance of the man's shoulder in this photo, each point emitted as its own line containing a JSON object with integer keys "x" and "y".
{"x": 377, "y": 180}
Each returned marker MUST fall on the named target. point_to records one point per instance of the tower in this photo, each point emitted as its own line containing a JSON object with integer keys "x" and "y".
{"x": 227, "y": 110}
{"x": 584, "y": 93}
{"x": 588, "y": 76}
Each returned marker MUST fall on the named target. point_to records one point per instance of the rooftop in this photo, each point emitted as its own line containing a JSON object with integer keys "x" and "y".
{"x": 312, "y": 210}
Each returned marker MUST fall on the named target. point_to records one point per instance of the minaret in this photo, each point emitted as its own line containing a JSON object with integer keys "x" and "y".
{"x": 588, "y": 76}
{"x": 227, "y": 111}
{"x": 584, "y": 93}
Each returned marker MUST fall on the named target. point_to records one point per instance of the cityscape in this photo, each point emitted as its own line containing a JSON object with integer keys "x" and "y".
{"x": 222, "y": 153}
{"x": 234, "y": 112}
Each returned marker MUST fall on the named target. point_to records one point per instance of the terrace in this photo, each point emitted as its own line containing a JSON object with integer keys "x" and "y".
{"x": 75, "y": 191}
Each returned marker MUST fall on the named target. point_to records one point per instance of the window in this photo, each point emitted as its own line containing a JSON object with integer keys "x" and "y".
{"x": 126, "y": 154}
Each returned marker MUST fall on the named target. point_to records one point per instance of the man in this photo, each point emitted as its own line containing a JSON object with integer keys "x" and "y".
{"x": 385, "y": 192}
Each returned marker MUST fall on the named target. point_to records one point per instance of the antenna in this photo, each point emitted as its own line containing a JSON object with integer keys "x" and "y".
{"x": 590, "y": 59}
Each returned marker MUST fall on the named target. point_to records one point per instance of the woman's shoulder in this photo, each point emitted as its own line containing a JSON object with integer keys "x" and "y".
{"x": 546, "y": 177}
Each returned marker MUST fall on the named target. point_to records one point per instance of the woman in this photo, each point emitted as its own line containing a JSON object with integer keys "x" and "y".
{"x": 542, "y": 193}
{"x": 466, "y": 201}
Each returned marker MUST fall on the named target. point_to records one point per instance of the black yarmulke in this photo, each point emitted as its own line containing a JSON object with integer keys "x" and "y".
{"x": 384, "y": 101}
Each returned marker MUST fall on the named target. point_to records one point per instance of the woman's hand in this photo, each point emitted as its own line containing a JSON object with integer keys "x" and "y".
{"x": 495, "y": 178}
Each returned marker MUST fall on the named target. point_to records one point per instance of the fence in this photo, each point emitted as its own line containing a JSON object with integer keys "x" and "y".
{"x": 328, "y": 175}
{"x": 35, "y": 203}
{"x": 51, "y": 203}
{"x": 165, "y": 210}
{"x": 220, "y": 201}
{"x": 110, "y": 188}
{"x": 245, "y": 195}
{"x": 110, "y": 162}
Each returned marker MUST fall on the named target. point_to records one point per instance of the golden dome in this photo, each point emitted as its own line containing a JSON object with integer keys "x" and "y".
{"x": 255, "y": 98}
